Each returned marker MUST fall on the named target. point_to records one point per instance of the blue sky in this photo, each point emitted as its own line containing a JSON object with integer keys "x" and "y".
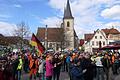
{"x": 30, "y": 11}
{"x": 89, "y": 14}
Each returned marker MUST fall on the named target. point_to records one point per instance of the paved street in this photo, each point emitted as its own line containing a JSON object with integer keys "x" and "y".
{"x": 63, "y": 76}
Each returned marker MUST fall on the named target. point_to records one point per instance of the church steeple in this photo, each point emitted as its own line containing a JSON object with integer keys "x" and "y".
{"x": 67, "y": 11}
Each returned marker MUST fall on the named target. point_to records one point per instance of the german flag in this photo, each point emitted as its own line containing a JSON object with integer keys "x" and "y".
{"x": 35, "y": 42}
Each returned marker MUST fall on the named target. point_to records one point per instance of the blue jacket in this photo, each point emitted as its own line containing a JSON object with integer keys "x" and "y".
{"x": 68, "y": 59}
{"x": 77, "y": 73}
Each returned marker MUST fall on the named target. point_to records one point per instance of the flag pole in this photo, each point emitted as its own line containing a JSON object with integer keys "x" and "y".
{"x": 46, "y": 38}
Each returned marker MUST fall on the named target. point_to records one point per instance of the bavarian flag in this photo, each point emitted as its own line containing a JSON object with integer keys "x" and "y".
{"x": 35, "y": 42}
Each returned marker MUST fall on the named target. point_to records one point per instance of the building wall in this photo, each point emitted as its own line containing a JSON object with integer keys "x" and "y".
{"x": 69, "y": 33}
{"x": 53, "y": 45}
{"x": 76, "y": 43}
{"x": 97, "y": 38}
{"x": 94, "y": 42}
{"x": 88, "y": 47}
{"x": 113, "y": 38}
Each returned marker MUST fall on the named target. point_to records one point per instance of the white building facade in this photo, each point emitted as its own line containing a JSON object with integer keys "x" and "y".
{"x": 101, "y": 38}
{"x": 98, "y": 40}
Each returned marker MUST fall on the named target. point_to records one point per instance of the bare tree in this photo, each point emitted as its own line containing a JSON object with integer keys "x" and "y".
{"x": 22, "y": 31}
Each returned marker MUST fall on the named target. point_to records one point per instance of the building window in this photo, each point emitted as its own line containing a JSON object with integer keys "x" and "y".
{"x": 95, "y": 37}
{"x": 100, "y": 37}
{"x": 103, "y": 42}
{"x": 68, "y": 24}
{"x": 93, "y": 43}
{"x": 50, "y": 45}
{"x": 97, "y": 43}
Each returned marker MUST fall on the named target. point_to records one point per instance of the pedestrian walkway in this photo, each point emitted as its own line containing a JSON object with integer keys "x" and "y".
{"x": 117, "y": 78}
{"x": 63, "y": 76}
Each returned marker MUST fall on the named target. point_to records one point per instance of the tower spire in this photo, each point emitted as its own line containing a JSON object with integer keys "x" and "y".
{"x": 67, "y": 11}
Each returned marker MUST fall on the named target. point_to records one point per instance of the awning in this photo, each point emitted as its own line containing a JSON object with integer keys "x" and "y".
{"x": 110, "y": 47}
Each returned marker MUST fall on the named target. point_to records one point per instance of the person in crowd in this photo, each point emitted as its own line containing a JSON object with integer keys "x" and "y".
{"x": 88, "y": 65}
{"x": 33, "y": 66}
{"x": 14, "y": 63}
{"x": 81, "y": 59}
{"x": 49, "y": 67}
{"x": 26, "y": 64}
{"x": 106, "y": 65}
{"x": 7, "y": 74}
{"x": 19, "y": 68}
{"x": 76, "y": 71}
{"x": 64, "y": 63}
{"x": 68, "y": 62}
{"x": 99, "y": 67}
{"x": 41, "y": 68}
{"x": 115, "y": 64}
{"x": 57, "y": 62}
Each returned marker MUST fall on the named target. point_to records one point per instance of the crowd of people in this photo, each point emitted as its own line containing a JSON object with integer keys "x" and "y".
{"x": 48, "y": 66}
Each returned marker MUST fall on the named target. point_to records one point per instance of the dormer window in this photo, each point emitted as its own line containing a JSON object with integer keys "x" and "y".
{"x": 68, "y": 24}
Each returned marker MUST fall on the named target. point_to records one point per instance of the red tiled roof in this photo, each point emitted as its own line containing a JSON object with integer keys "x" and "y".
{"x": 13, "y": 39}
{"x": 53, "y": 34}
{"x": 8, "y": 40}
{"x": 111, "y": 31}
{"x": 3, "y": 41}
{"x": 88, "y": 37}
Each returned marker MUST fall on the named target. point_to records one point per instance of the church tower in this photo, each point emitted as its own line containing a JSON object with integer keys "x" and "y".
{"x": 68, "y": 25}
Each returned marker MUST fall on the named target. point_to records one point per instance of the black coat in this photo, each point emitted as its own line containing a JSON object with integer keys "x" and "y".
{"x": 90, "y": 69}
{"x": 58, "y": 66}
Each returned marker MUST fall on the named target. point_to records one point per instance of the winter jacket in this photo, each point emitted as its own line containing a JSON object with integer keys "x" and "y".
{"x": 77, "y": 73}
{"x": 32, "y": 62}
{"x": 49, "y": 68}
{"x": 20, "y": 64}
{"x": 41, "y": 67}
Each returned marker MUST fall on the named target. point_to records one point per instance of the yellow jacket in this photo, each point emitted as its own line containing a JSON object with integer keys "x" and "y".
{"x": 20, "y": 64}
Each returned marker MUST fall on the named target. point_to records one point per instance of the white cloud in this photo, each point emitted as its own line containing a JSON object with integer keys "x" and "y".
{"x": 112, "y": 13}
{"x": 57, "y": 4}
{"x": 52, "y": 22}
{"x": 113, "y": 24}
{"x": 17, "y": 5}
{"x": 7, "y": 28}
